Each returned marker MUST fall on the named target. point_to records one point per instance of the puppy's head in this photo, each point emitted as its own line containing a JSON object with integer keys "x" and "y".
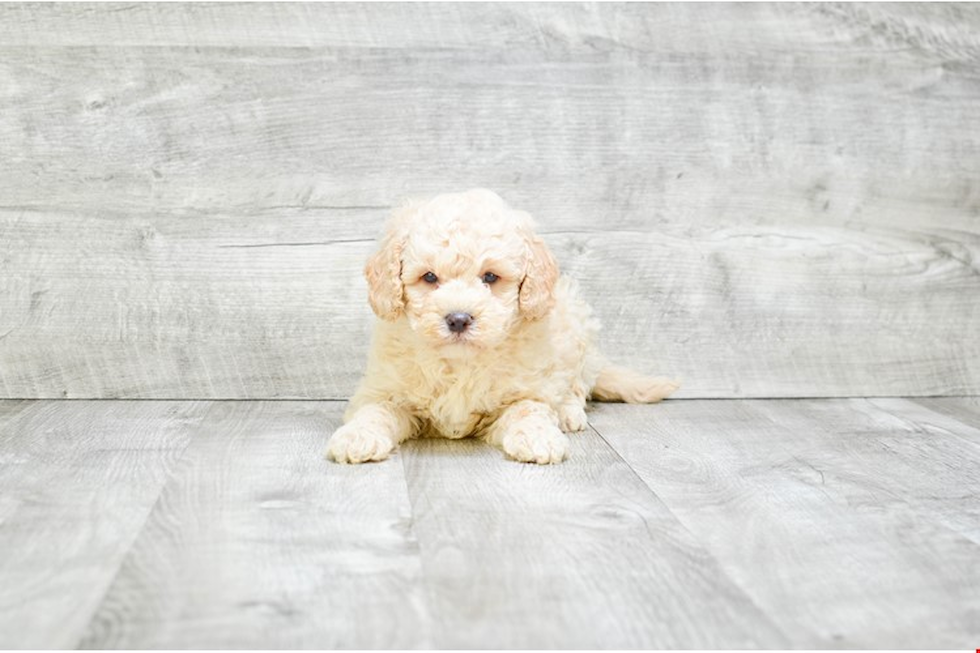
{"x": 464, "y": 268}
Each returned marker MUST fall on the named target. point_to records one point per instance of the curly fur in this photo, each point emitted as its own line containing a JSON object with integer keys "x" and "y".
{"x": 518, "y": 377}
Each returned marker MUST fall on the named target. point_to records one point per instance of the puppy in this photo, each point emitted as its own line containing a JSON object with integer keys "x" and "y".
{"x": 478, "y": 336}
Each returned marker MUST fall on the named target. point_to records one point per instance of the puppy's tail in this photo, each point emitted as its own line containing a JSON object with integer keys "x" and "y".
{"x": 616, "y": 383}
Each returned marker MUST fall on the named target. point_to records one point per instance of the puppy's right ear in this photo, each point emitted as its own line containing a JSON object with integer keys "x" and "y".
{"x": 384, "y": 268}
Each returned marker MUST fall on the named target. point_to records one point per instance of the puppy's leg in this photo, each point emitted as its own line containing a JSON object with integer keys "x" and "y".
{"x": 528, "y": 431}
{"x": 572, "y": 417}
{"x": 571, "y": 411}
{"x": 371, "y": 433}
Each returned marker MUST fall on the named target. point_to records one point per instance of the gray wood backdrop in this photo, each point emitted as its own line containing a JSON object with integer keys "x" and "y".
{"x": 763, "y": 200}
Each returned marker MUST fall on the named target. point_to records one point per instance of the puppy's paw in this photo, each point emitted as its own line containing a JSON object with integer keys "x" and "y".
{"x": 571, "y": 418}
{"x": 534, "y": 443}
{"x": 355, "y": 443}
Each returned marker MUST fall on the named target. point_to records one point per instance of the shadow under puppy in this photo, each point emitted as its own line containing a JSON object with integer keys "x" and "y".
{"x": 479, "y": 336}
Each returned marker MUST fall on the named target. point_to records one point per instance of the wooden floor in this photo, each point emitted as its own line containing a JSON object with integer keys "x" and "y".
{"x": 851, "y": 523}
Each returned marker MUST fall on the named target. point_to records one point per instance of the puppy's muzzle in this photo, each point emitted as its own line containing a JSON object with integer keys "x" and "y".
{"x": 459, "y": 322}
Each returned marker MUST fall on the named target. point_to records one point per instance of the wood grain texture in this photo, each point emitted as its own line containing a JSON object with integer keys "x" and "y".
{"x": 764, "y": 200}
{"x": 963, "y": 409}
{"x": 77, "y": 481}
{"x": 158, "y": 308}
{"x": 770, "y": 524}
{"x": 551, "y": 27}
{"x": 845, "y": 521}
{"x": 580, "y": 555}
{"x": 592, "y": 127}
{"x": 258, "y": 542}
{"x": 273, "y": 308}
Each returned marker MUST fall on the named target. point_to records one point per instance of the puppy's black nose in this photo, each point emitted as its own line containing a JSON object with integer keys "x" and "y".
{"x": 457, "y": 322}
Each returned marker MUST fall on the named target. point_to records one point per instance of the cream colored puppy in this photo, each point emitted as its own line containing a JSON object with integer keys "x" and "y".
{"x": 478, "y": 336}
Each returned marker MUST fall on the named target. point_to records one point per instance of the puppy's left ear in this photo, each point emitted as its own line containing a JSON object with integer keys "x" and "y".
{"x": 540, "y": 277}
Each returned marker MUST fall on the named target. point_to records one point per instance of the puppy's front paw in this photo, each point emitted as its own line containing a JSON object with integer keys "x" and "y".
{"x": 356, "y": 443}
{"x": 542, "y": 444}
{"x": 572, "y": 418}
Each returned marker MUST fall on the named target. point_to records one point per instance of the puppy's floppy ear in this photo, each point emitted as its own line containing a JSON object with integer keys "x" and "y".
{"x": 384, "y": 268}
{"x": 541, "y": 274}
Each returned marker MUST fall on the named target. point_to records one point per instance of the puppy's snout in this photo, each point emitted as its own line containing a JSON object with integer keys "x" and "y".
{"x": 458, "y": 322}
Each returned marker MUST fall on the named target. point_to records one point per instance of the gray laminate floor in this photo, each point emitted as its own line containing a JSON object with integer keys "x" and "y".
{"x": 764, "y": 523}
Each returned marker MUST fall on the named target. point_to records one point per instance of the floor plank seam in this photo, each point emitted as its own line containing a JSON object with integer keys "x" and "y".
{"x": 97, "y": 605}
{"x": 834, "y": 515}
{"x": 955, "y": 418}
{"x": 748, "y": 596}
{"x": 427, "y": 591}
{"x": 916, "y": 427}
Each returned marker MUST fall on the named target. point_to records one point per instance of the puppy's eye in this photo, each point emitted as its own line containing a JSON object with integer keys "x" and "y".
{"x": 489, "y": 278}
{"x": 428, "y": 277}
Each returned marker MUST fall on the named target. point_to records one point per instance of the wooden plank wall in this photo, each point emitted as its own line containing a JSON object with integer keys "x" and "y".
{"x": 763, "y": 200}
